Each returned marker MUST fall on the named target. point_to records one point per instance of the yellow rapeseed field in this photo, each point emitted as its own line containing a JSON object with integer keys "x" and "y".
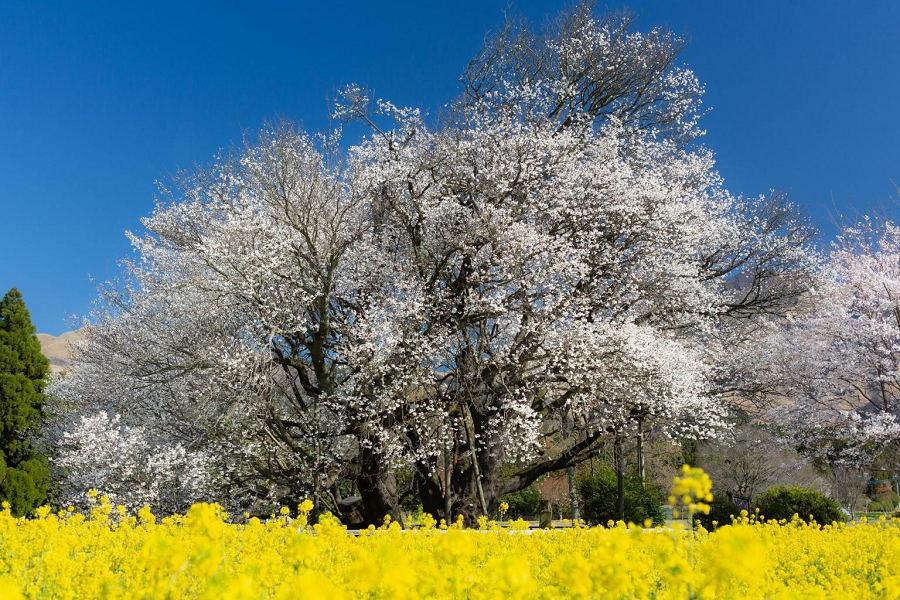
{"x": 203, "y": 554}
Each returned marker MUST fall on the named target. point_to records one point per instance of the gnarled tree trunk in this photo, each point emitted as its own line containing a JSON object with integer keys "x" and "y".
{"x": 377, "y": 488}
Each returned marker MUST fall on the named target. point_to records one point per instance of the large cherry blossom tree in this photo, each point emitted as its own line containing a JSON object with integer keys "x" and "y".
{"x": 589, "y": 270}
{"x": 478, "y": 299}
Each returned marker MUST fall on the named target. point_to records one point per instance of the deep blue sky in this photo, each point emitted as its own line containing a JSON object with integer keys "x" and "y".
{"x": 99, "y": 101}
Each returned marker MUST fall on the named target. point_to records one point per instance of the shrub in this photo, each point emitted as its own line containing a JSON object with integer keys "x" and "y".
{"x": 524, "y": 503}
{"x": 783, "y": 502}
{"x": 598, "y": 499}
{"x": 721, "y": 509}
{"x": 884, "y": 502}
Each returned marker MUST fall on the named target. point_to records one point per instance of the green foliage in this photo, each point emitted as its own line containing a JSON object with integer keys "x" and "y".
{"x": 406, "y": 488}
{"x": 24, "y": 476}
{"x": 721, "y": 509}
{"x": 25, "y": 487}
{"x": 783, "y": 502}
{"x": 524, "y": 503}
{"x": 598, "y": 499}
{"x": 884, "y": 502}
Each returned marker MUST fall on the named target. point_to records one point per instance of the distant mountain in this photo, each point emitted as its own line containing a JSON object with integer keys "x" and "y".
{"x": 58, "y": 348}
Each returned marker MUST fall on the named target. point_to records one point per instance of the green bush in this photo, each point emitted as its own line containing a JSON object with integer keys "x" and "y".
{"x": 884, "y": 502}
{"x": 721, "y": 509}
{"x": 598, "y": 499}
{"x": 524, "y": 503}
{"x": 783, "y": 502}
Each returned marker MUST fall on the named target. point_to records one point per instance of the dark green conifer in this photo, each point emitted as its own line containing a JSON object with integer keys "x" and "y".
{"x": 24, "y": 473}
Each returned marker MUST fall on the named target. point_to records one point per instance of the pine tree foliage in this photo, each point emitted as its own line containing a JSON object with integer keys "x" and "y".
{"x": 24, "y": 476}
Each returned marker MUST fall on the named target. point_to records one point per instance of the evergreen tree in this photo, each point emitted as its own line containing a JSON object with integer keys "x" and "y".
{"x": 24, "y": 473}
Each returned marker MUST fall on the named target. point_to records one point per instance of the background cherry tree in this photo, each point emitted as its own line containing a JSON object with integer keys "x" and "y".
{"x": 843, "y": 354}
{"x": 100, "y": 452}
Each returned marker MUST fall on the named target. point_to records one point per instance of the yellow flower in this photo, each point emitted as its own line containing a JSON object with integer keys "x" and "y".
{"x": 693, "y": 489}
{"x": 427, "y": 521}
{"x": 203, "y": 555}
{"x": 146, "y": 516}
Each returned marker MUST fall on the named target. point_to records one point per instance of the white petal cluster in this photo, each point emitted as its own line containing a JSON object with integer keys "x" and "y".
{"x": 123, "y": 462}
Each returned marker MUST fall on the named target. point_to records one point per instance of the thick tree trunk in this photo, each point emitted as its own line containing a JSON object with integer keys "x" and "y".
{"x": 430, "y": 491}
{"x": 377, "y": 489}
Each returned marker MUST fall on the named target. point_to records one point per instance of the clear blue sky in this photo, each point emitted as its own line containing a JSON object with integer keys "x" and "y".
{"x": 100, "y": 100}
